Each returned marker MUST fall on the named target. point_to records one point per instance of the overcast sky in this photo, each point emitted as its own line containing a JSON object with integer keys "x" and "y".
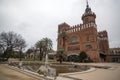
{"x": 35, "y": 19}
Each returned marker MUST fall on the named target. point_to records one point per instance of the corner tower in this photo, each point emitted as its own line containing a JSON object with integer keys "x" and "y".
{"x": 88, "y": 16}
{"x": 89, "y": 34}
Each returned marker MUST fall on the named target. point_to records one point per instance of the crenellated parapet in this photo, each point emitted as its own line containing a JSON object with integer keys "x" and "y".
{"x": 80, "y": 27}
{"x": 88, "y": 14}
{"x": 102, "y": 35}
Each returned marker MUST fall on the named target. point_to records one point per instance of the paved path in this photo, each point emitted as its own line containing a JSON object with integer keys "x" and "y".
{"x": 100, "y": 74}
{"x": 7, "y": 73}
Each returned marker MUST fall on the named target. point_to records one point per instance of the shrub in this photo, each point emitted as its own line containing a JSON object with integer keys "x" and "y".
{"x": 73, "y": 58}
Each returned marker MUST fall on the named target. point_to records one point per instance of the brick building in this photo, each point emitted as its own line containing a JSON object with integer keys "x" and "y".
{"x": 84, "y": 37}
{"x": 114, "y": 55}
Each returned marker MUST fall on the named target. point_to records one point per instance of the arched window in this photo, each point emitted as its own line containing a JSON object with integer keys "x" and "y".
{"x": 73, "y": 39}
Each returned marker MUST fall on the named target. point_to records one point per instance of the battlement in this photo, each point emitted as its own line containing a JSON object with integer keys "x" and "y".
{"x": 102, "y": 35}
{"x": 88, "y": 14}
{"x": 80, "y": 27}
{"x": 104, "y": 31}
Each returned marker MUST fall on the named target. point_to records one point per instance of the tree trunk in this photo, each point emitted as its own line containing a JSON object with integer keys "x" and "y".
{"x": 20, "y": 56}
{"x": 63, "y": 42}
{"x": 60, "y": 58}
{"x": 40, "y": 55}
{"x": 34, "y": 57}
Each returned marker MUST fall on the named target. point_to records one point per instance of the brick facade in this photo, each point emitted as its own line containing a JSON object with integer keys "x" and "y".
{"x": 83, "y": 37}
{"x": 114, "y": 55}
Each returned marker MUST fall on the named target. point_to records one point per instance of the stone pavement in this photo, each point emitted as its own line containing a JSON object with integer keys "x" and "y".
{"x": 112, "y": 73}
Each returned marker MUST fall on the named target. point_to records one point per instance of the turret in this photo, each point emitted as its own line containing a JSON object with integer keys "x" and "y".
{"x": 63, "y": 26}
{"x": 88, "y": 16}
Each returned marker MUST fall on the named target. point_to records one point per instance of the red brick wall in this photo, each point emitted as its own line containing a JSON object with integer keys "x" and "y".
{"x": 86, "y": 34}
{"x": 82, "y": 41}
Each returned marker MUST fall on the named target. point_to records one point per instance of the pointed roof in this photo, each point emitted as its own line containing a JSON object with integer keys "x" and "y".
{"x": 88, "y": 9}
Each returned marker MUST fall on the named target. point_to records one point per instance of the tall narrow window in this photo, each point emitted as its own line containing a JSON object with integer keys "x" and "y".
{"x": 87, "y": 38}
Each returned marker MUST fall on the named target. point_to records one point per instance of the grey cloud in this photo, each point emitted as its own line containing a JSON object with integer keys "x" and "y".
{"x": 35, "y": 19}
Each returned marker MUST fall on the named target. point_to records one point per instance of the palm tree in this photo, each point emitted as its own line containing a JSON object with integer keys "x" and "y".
{"x": 34, "y": 52}
{"x": 63, "y": 35}
{"x": 44, "y": 45}
{"x": 47, "y": 45}
{"x": 39, "y": 45}
{"x": 60, "y": 53}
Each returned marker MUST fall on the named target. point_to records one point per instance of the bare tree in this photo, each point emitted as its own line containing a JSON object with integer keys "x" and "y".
{"x": 11, "y": 41}
{"x": 20, "y": 46}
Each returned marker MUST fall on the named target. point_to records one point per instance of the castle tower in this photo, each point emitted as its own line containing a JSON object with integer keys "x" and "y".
{"x": 103, "y": 42}
{"x": 61, "y": 35}
{"x": 88, "y": 16}
{"x": 90, "y": 34}
{"x": 103, "y": 45}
